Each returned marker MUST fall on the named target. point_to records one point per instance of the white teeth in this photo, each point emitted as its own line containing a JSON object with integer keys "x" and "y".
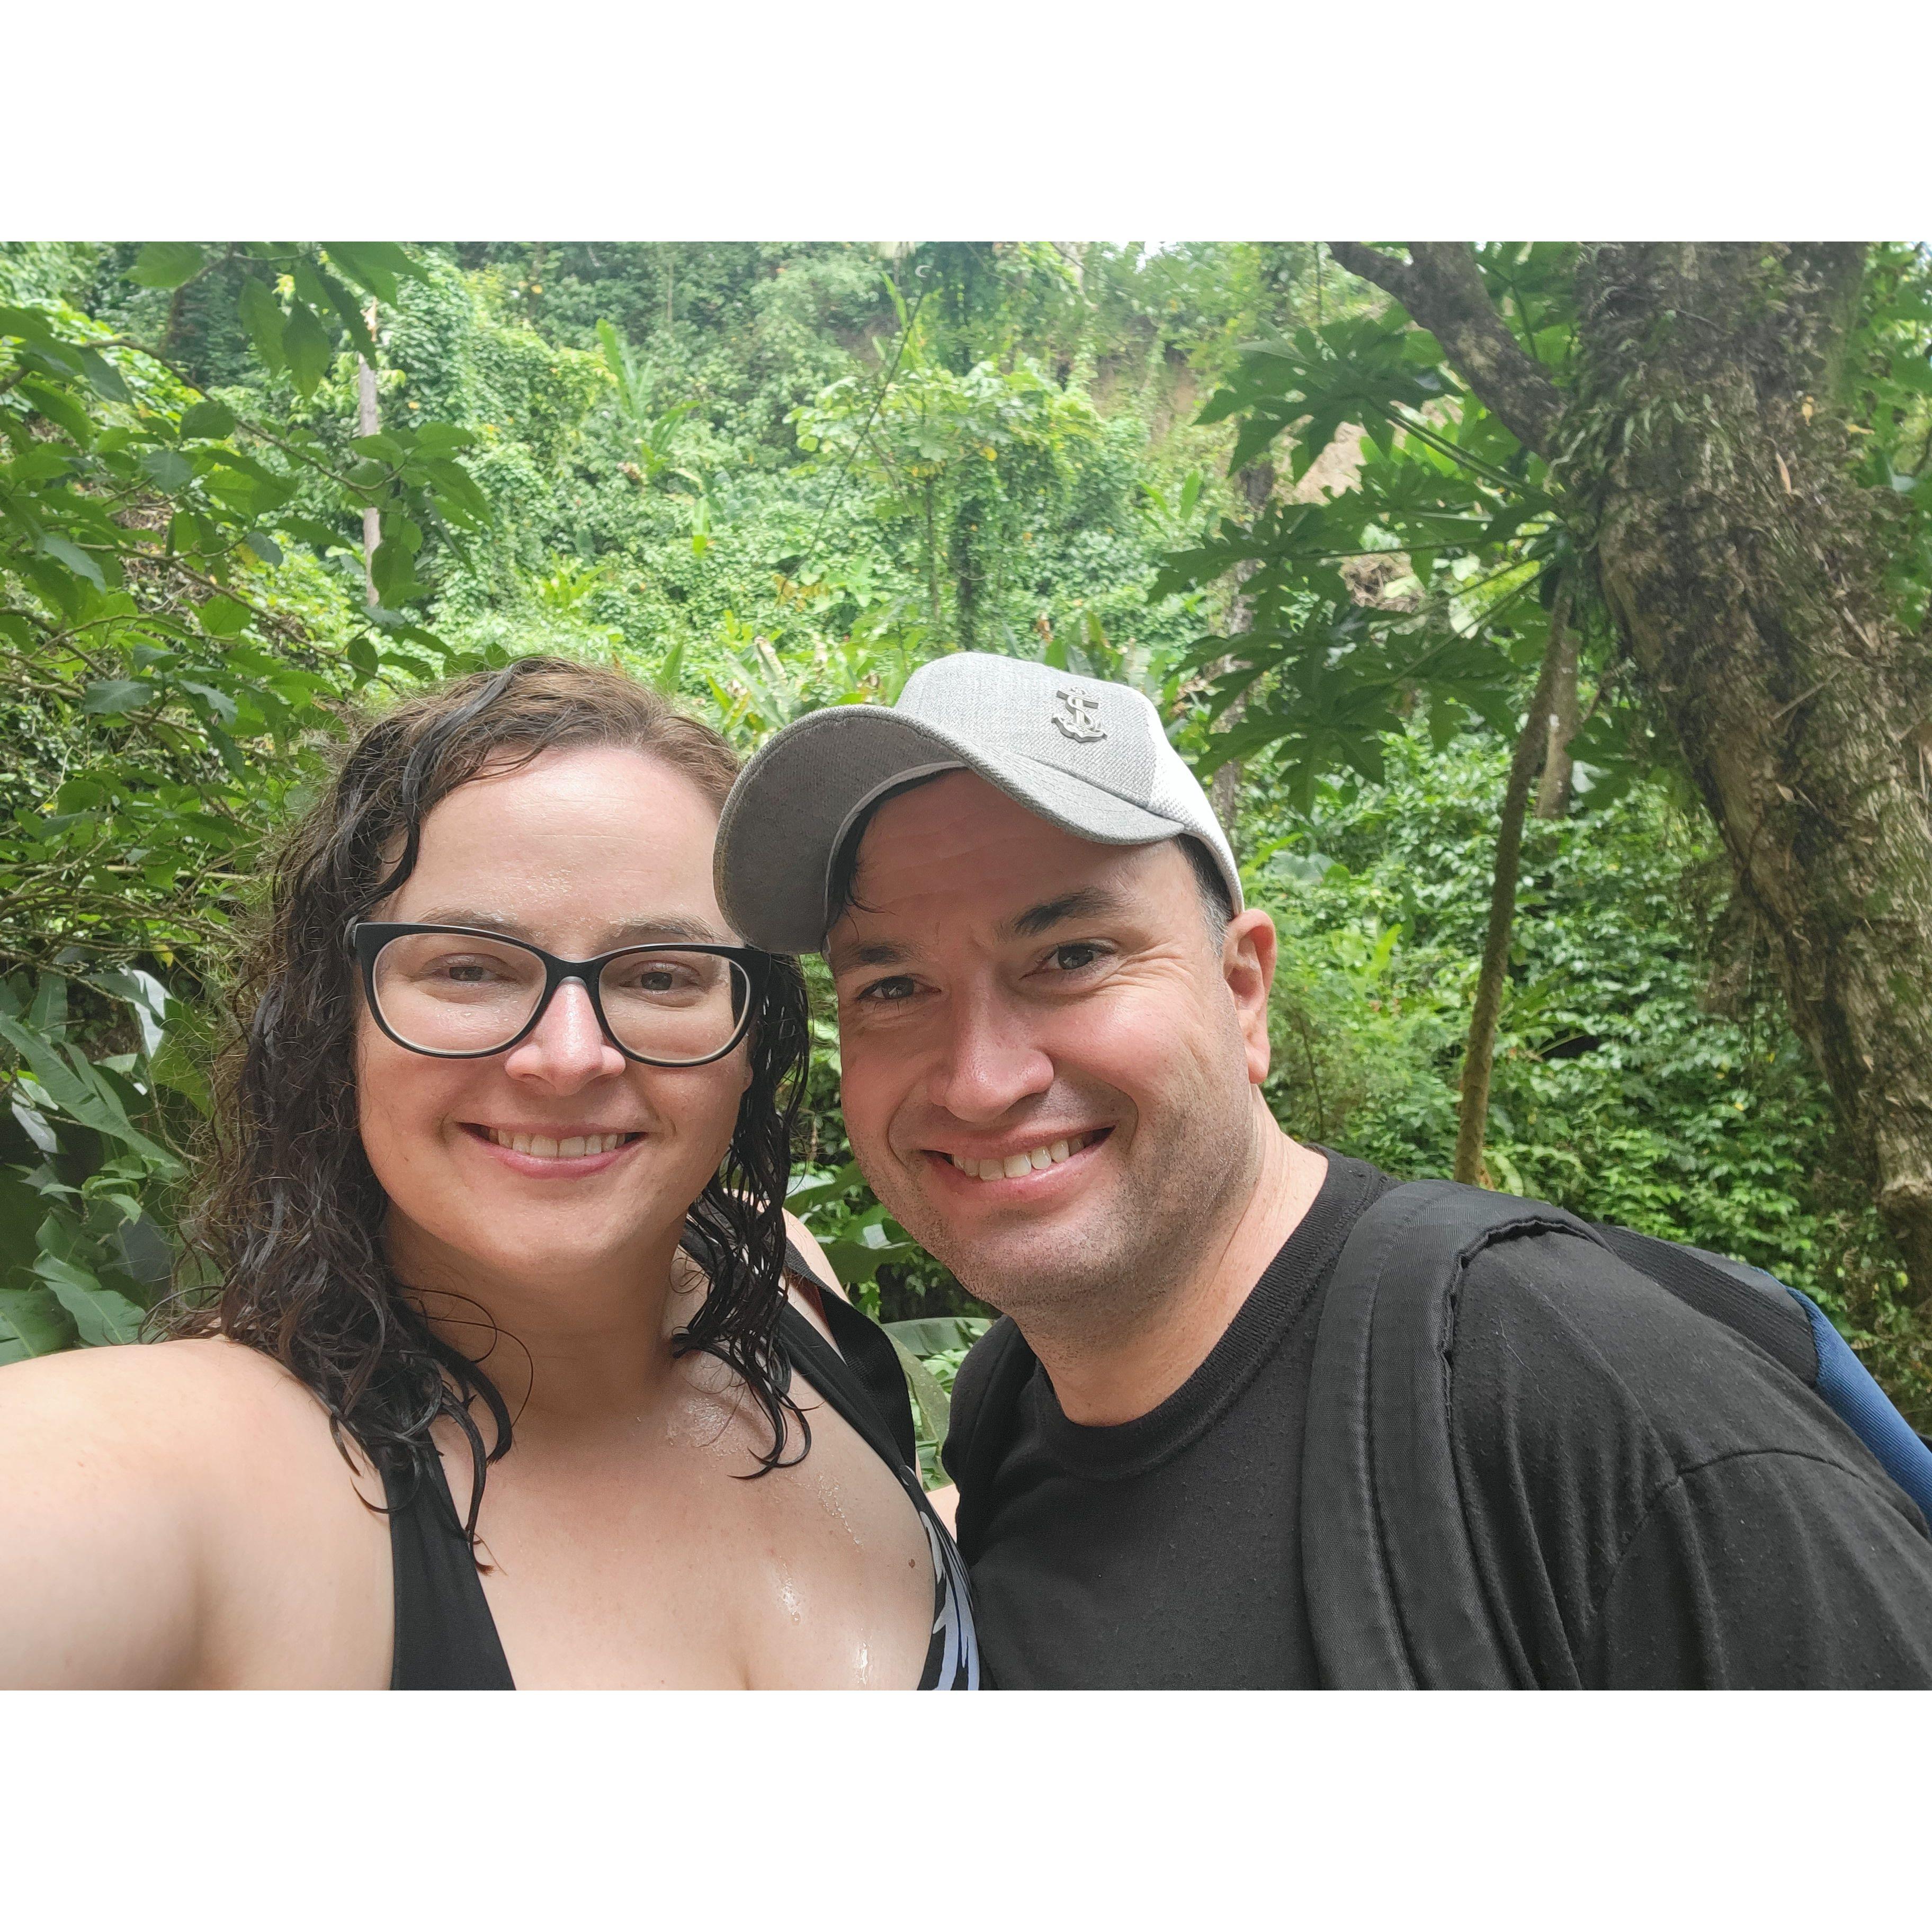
{"x": 1015, "y": 1165}
{"x": 570, "y": 1148}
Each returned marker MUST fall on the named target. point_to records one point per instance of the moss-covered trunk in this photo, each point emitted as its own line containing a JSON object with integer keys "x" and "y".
{"x": 1744, "y": 567}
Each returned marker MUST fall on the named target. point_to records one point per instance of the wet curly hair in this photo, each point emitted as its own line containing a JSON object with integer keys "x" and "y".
{"x": 288, "y": 1216}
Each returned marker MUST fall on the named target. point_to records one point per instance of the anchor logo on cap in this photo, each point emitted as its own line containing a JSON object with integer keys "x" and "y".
{"x": 1080, "y": 719}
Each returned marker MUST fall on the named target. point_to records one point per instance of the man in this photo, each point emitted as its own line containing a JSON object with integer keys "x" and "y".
{"x": 1053, "y": 1010}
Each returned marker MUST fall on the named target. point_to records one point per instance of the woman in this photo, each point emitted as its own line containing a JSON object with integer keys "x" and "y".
{"x": 501, "y": 1386}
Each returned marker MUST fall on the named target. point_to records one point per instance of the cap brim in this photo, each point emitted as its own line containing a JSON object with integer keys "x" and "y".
{"x": 794, "y": 803}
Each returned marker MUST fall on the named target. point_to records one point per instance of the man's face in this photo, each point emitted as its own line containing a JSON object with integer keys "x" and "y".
{"x": 1049, "y": 1065}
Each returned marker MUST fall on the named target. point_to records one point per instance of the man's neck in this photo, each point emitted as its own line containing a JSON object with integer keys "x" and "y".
{"x": 1103, "y": 1381}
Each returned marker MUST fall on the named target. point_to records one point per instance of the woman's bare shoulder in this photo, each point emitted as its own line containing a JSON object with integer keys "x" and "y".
{"x": 178, "y": 1513}
{"x": 175, "y": 1401}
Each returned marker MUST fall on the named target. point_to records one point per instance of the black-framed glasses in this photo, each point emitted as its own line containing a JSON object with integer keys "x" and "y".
{"x": 458, "y": 993}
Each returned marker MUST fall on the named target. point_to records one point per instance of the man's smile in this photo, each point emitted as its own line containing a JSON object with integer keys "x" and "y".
{"x": 1056, "y": 1151}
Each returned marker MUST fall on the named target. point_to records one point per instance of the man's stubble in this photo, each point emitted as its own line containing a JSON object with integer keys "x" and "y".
{"x": 1097, "y": 1284}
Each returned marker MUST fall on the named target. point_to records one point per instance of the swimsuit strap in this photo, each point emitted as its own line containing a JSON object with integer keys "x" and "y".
{"x": 445, "y": 1637}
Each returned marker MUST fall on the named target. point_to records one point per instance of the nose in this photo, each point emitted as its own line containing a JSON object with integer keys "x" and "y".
{"x": 567, "y": 1051}
{"x": 989, "y": 1060}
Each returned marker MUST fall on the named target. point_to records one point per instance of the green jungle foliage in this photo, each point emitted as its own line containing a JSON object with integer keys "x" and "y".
{"x": 771, "y": 477}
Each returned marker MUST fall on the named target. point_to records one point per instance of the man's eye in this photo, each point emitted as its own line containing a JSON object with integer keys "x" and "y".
{"x": 1075, "y": 957}
{"x": 885, "y": 991}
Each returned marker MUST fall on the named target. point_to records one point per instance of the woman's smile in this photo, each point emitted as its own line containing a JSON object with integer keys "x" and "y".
{"x": 557, "y": 1154}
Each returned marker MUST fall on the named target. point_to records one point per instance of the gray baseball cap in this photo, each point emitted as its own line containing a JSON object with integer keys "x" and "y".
{"x": 1085, "y": 755}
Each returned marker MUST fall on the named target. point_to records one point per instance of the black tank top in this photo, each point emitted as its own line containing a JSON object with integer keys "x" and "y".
{"x": 445, "y": 1637}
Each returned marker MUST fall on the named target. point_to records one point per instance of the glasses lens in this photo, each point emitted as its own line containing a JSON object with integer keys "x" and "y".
{"x": 675, "y": 1008}
{"x": 447, "y": 992}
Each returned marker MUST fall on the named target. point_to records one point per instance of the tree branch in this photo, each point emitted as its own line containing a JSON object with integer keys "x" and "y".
{"x": 1442, "y": 287}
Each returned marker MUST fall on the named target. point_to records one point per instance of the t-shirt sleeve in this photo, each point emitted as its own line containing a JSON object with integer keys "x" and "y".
{"x": 1769, "y": 1569}
{"x": 969, "y": 1391}
{"x": 1651, "y": 1501}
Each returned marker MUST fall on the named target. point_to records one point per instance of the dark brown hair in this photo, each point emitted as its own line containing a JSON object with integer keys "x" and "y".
{"x": 290, "y": 1212}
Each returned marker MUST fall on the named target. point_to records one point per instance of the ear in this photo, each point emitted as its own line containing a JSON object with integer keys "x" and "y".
{"x": 1247, "y": 966}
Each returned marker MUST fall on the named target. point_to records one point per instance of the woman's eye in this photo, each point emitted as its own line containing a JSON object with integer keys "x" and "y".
{"x": 468, "y": 972}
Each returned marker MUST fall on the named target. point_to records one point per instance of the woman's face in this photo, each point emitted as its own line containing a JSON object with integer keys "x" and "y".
{"x": 580, "y": 851}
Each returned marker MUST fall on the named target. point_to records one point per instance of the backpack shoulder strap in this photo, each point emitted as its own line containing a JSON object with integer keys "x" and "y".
{"x": 1393, "y": 1599}
{"x": 1760, "y": 1308}
{"x": 1789, "y": 1326}
{"x": 985, "y": 1392}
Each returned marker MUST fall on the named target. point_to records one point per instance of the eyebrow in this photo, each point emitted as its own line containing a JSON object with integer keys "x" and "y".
{"x": 872, "y": 953}
{"x": 1084, "y": 902}
{"x": 629, "y": 932}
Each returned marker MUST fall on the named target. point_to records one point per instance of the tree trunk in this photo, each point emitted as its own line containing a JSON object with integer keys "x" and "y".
{"x": 370, "y": 420}
{"x": 1552, "y": 789}
{"x": 1745, "y": 568}
{"x": 1705, "y": 456}
{"x": 965, "y": 573}
{"x": 1479, "y": 1055}
{"x": 935, "y": 616}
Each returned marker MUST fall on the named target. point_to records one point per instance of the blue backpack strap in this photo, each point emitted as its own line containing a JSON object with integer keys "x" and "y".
{"x": 1393, "y": 1599}
{"x": 1857, "y": 1401}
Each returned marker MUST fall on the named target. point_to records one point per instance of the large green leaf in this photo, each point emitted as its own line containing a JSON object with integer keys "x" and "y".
{"x": 78, "y": 1094}
{"x": 35, "y": 1318}
{"x": 102, "y": 374}
{"x": 116, "y": 697}
{"x": 223, "y": 616}
{"x": 374, "y": 265}
{"x": 58, "y": 406}
{"x": 104, "y": 1317}
{"x": 934, "y": 1409}
{"x": 166, "y": 265}
{"x": 76, "y": 559}
{"x": 21, "y": 1209}
{"x": 935, "y": 1334}
{"x": 208, "y": 418}
{"x": 262, "y": 316}
{"x": 309, "y": 347}
{"x": 171, "y": 471}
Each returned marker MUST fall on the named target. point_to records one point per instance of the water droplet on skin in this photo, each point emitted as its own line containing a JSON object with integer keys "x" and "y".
{"x": 832, "y": 1500}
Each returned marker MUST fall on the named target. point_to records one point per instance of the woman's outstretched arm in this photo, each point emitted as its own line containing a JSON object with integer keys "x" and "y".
{"x": 168, "y": 1518}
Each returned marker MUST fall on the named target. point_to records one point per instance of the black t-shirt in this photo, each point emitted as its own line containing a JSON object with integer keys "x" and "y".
{"x": 1650, "y": 1500}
